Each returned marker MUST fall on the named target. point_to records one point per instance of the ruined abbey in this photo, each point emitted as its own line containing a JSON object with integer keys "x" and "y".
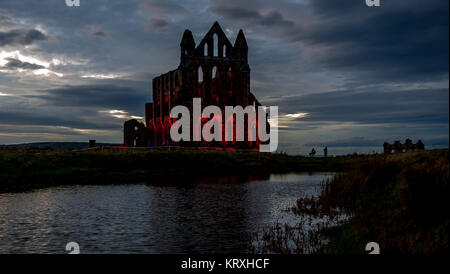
{"x": 214, "y": 70}
{"x": 398, "y": 147}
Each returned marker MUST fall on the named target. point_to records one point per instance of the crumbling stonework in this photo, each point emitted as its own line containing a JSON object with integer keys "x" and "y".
{"x": 398, "y": 147}
{"x": 135, "y": 134}
{"x": 214, "y": 70}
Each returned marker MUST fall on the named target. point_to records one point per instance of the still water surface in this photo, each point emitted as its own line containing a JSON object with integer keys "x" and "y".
{"x": 206, "y": 216}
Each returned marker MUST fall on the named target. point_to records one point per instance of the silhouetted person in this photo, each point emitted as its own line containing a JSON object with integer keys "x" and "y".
{"x": 312, "y": 153}
{"x": 325, "y": 152}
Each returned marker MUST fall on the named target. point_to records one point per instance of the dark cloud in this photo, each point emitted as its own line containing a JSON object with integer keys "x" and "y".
{"x": 96, "y": 96}
{"x": 163, "y": 8}
{"x": 53, "y": 118}
{"x": 274, "y": 18}
{"x": 252, "y": 17}
{"x": 6, "y": 21}
{"x": 97, "y": 31}
{"x": 238, "y": 13}
{"x": 160, "y": 25}
{"x": 162, "y": 13}
{"x": 328, "y": 9}
{"x": 99, "y": 34}
{"x": 17, "y": 64}
{"x": 21, "y": 37}
{"x": 394, "y": 43}
{"x": 372, "y": 106}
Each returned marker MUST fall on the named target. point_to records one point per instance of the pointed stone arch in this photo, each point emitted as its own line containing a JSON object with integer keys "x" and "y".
{"x": 214, "y": 72}
{"x": 200, "y": 75}
{"x": 215, "y": 42}
{"x": 224, "y": 50}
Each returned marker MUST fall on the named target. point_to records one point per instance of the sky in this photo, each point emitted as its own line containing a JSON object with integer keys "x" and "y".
{"x": 343, "y": 75}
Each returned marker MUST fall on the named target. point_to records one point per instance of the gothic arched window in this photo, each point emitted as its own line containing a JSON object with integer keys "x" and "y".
{"x": 214, "y": 72}
{"x": 200, "y": 74}
{"x": 216, "y": 45}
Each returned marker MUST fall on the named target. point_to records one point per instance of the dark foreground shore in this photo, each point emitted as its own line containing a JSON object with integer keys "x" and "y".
{"x": 27, "y": 169}
{"x": 398, "y": 201}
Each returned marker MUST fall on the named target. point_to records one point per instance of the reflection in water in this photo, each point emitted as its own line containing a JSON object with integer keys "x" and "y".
{"x": 208, "y": 215}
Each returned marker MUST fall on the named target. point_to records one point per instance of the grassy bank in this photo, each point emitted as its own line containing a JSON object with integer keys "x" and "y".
{"x": 26, "y": 169}
{"x": 399, "y": 201}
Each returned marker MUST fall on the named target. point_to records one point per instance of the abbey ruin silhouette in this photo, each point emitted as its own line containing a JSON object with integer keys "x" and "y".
{"x": 215, "y": 71}
{"x": 398, "y": 147}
